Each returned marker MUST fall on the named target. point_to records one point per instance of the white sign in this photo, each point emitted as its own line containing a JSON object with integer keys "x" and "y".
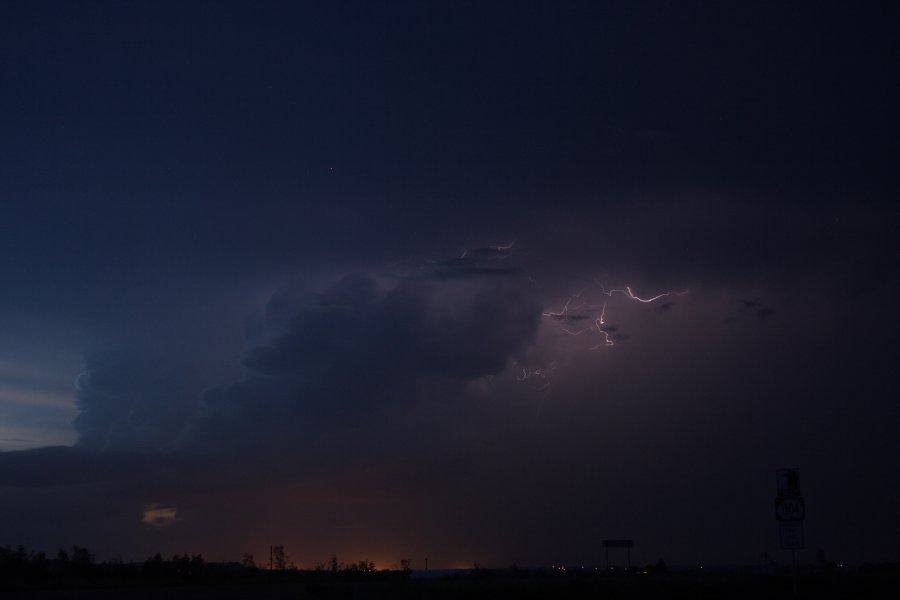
{"x": 791, "y": 535}
{"x": 788, "y": 482}
{"x": 789, "y": 508}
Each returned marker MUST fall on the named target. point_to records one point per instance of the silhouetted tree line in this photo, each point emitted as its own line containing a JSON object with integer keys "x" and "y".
{"x": 179, "y": 566}
{"x": 334, "y": 566}
{"x": 77, "y": 567}
{"x": 20, "y": 564}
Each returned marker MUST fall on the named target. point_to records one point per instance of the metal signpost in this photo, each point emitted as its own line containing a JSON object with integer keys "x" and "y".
{"x": 627, "y": 544}
{"x": 790, "y": 511}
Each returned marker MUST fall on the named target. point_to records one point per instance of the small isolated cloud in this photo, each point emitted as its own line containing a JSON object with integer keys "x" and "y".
{"x": 753, "y": 309}
{"x": 665, "y": 307}
{"x": 157, "y": 515}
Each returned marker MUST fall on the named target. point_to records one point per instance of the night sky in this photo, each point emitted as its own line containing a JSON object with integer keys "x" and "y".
{"x": 373, "y": 278}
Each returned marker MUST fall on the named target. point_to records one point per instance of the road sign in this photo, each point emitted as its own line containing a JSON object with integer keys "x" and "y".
{"x": 790, "y": 535}
{"x": 627, "y": 544}
{"x": 787, "y": 482}
{"x": 789, "y": 508}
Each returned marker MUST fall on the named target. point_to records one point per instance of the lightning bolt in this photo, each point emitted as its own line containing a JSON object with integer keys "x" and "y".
{"x": 544, "y": 375}
{"x": 629, "y": 294}
{"x": 583, "y": 314}
{"x": 600, "y": 326}
{"x": 505, "y": 248}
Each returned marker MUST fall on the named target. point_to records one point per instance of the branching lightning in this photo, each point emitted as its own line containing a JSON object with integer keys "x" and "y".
{"x": 543, "y": 374}
{"x": 568, "y": 313}
{"x": 584, "y": 314}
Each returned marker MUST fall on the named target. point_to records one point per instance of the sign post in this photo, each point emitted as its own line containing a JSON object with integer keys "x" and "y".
{"x": 627, "y": 544}
{"x": 790, "y": 511}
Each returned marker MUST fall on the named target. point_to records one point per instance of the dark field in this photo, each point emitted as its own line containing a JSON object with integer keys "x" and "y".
{"x": 874, "y": 583}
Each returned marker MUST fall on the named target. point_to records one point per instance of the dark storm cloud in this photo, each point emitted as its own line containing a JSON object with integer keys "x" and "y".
{"x": 69, "y": 466}
{"x": 331, "y": 359}
{"x": 570, "y": 317}
{"x": 752, "y": 309}
{"x": 489, "y": 252}
{"x": 765, "y": 312}
{"x": 473, "y": 270}
{"x": 334, "y": 383}
{"x": 411, "y": 330}
{"x": 153, "y": 193}
{"x": 758, "y": 309}
{"x": 474, "y": 262}
{"x": 133, "y": 399}
{"x": 355, "y": 347}
{"x": 357, "y": 396}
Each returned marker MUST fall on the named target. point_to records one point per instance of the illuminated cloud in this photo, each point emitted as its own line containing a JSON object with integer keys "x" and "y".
{"x": 157, "y": 515}
{"x": 147, "y": 210}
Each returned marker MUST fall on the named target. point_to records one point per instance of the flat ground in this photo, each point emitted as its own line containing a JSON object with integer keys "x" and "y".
{"x": 669, "y": 586}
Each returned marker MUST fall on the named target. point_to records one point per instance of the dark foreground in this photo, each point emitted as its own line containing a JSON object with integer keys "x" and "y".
{"x": 499, "y": 584}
